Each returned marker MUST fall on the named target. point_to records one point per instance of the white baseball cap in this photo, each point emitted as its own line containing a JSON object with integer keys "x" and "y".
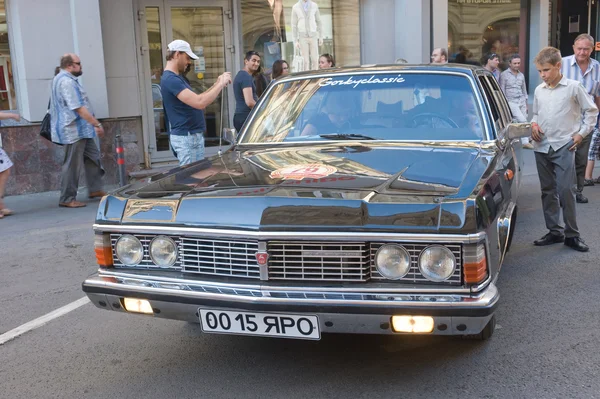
{"x": 183, "y": 46}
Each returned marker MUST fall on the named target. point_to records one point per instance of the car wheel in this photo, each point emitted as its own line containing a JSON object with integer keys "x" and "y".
{"x": 486, "y": 333}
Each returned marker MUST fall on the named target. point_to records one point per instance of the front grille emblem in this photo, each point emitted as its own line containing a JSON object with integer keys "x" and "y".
{"x": 262, "y": 258}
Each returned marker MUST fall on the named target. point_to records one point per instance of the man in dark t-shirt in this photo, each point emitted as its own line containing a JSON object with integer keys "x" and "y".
{"x": 183, "y": 107}
{"x": 244, "y": 89}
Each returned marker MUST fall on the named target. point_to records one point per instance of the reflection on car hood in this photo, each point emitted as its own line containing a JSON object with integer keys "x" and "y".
{"x": 380, "y": 167}
{"x": 331, "y": 182}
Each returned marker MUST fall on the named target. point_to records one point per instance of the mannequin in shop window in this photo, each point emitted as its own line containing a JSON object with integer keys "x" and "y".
{"x": 307, "y": 32}
{"x": 277, "y": 7}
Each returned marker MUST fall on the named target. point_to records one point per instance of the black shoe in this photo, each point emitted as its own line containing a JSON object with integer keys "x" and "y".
{"x": 581, "y": 199}
{"x": 577, "y": 244}
{"x": 588, "y": 182}
{"x": 549, "y": 239}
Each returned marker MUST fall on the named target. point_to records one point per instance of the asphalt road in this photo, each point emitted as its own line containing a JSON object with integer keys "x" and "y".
{"x": 547, "y": 342}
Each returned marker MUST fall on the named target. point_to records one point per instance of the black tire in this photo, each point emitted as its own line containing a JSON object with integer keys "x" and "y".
{"x": 486, "y": 333}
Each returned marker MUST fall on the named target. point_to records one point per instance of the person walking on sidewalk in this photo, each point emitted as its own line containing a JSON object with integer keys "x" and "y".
{"x": 581, "y": 67}
{"x": 5, "y": 165}
{"x": 558, "y": 128}
{"x": 183, "y": 107}
{"x": 512, "y": 83}
{"x": 74, "y": 125}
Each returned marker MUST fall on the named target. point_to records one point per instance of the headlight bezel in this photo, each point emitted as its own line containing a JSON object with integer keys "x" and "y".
{"x": 171, "y": 241}
{"x": 396, "y": 246}
{"x": 428, "y": 276}
{"x": 120, "y": 257}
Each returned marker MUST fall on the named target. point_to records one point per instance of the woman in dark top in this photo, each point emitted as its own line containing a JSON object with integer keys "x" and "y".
{"x": 280, "y": 68}
{"x": 260, "y": 81}
{"x": 244, "y": 89}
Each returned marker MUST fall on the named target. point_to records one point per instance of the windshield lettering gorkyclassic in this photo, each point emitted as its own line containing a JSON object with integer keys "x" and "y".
{"x": 376, "y": 200}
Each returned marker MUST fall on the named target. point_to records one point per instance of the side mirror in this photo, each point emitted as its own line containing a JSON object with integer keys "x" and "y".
{"x": 518, "y": 130}
{"x": 229, "y": 135}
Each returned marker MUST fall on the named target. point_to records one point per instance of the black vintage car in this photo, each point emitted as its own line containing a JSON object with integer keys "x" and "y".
{"x": 377, "y": 200}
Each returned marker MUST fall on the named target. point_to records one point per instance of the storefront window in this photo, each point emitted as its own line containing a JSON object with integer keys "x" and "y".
{"x": 299, "y": 31}
{"x": 7, "y": 87}
{"x": 479, "y": 28}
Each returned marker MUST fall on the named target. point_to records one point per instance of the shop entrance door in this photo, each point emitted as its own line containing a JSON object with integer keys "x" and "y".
{"x": 206, "y": 25}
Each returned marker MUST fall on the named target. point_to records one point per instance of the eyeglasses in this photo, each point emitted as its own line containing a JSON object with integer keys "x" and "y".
{"x": 77, "y": 63}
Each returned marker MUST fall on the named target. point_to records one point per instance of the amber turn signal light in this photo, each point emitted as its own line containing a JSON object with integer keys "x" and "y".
{"x": 475, "y": 264}
{"x": 103, "y": 250}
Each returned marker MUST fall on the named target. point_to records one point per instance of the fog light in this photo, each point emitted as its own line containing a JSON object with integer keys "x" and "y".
{"x": 412, "y": 324}
{"x": 137, "y": 305}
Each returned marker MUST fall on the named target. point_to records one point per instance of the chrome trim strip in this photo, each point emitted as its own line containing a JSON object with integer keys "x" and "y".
{"x": 400, "y": 289}
{"x": 298, "y": 235}
{"x": 275, "y": 296}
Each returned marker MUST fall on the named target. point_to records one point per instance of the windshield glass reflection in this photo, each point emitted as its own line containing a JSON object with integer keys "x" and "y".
{"x": 408, "y": 106}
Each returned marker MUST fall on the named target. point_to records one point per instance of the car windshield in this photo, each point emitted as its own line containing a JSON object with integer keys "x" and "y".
{"x": 424, "y": 106}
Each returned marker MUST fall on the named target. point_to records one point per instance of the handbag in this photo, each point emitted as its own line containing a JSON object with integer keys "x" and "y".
{"x": 298, "y": 63}
{"x": 45, "y": 127}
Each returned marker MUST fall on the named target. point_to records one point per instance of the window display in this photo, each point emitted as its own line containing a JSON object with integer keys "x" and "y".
{"x": 477, "y": 30}
{"x": 300, "y": 31}
{"x": 8, "y": 99}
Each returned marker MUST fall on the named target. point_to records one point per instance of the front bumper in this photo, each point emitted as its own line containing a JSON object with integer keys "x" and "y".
{"x": 339, "y": 311}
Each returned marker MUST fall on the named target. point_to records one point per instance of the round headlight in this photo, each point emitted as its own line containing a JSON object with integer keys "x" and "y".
{"x": 163, "y": 251}
{"x": 437, "y": 263}
{"x": 392, "y": 261}
{"x": 129, "y": 250}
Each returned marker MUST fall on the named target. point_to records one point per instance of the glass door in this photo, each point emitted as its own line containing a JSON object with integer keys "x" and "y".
{"x": 206, "y": 27}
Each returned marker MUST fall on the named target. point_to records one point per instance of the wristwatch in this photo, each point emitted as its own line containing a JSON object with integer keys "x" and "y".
{"x": 98, "y": 125}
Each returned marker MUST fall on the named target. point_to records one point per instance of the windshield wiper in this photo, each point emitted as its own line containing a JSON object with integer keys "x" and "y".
{"x": 340, "y": 136}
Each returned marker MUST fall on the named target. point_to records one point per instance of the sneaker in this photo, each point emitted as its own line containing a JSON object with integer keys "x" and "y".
{"x": 588, "y": 182}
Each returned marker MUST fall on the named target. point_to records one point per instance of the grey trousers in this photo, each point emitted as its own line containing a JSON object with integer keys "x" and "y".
{"x": 84, "y": 153}
{"x": 556, "y": 171}
{"x": 581, "y": 158}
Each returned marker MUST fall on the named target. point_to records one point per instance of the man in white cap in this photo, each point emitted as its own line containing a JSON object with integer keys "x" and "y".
{"x": 183, "y": 107}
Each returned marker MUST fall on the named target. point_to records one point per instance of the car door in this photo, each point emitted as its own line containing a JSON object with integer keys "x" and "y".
{"x": 507, "y": 166}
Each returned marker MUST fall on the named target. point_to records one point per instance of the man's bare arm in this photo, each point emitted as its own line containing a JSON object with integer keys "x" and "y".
{"x": 203, "y": 100}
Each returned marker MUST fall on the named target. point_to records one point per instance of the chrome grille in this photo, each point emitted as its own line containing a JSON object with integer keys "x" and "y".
{"x": 146, "y": 260}
{"x": 414, "y": 275}
{"x": 219, "y": 257}
{"x": 318, "y": 261}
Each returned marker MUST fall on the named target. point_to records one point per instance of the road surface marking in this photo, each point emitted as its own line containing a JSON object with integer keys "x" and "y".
{"x": 40, "y": 321}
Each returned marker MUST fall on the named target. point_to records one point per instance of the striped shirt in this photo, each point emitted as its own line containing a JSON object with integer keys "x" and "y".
{"x": 590, "y": 79}
{"x": 67, "y": 125}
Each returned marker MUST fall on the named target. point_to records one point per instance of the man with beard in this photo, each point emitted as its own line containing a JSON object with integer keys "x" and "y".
{"x": 73, "y": 125}
{"x": 183, "y": 107}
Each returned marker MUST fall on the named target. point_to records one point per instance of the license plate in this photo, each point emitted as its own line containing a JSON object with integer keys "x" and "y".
{"x": 261, "y": 324}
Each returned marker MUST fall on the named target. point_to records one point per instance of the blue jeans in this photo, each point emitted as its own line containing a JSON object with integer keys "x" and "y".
{"x": 189, "y": 148}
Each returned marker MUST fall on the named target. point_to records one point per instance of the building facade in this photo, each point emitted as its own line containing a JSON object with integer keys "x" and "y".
{"x": 122, "y": 45}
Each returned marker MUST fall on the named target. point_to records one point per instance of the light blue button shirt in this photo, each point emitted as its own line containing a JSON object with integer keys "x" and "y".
{"x": 590, "y": 79}
{"x": 67, "y": 95}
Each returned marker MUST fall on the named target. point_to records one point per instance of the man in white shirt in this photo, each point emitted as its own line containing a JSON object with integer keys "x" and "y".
{"x": 512, "y": 83}
{"x": 557, "y": 130}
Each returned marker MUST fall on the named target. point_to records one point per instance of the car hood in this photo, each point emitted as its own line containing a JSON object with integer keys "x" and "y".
{"x": 325, "y": 185}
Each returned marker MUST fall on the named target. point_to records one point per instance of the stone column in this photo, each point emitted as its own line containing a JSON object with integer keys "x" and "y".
{"x": 538, "y": 33}
{"x": 63, "y": 27}
{"x": 413, "y": 30}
